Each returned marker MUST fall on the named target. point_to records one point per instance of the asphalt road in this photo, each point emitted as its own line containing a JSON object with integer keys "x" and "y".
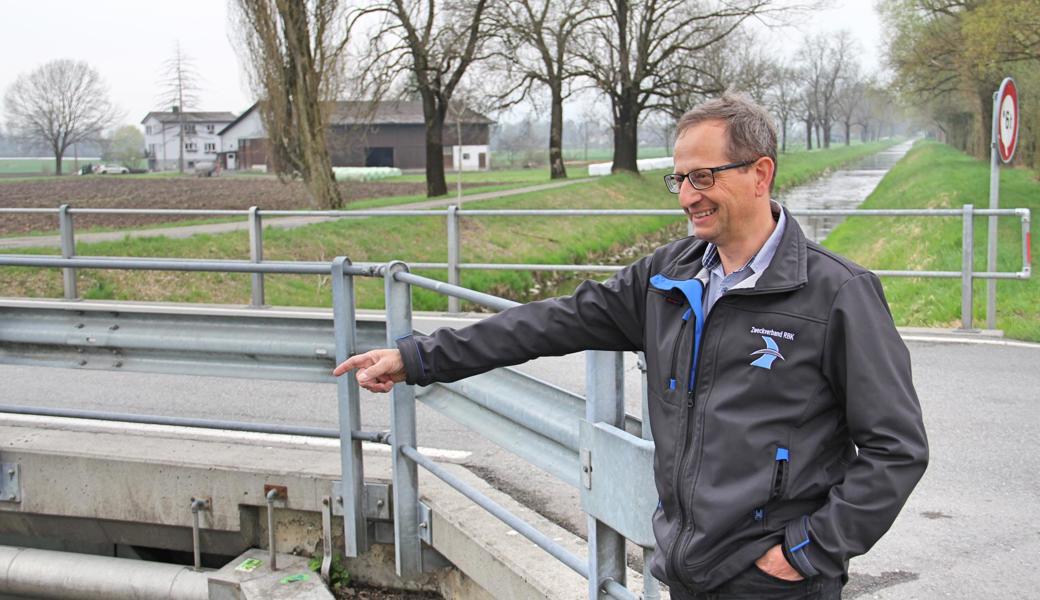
{"x": 969, "y": 530}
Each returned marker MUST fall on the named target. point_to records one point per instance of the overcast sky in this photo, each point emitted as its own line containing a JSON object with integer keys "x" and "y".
{"x": 128, "y": 41}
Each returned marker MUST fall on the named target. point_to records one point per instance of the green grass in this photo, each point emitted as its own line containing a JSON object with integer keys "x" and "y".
{"x": 494, "y": 239}
{"x": 934, "y": 175}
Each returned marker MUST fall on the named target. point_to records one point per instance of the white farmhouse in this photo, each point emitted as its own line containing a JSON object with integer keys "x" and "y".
{"x": 201, "y": 139}
{"x": 243, "y": 143}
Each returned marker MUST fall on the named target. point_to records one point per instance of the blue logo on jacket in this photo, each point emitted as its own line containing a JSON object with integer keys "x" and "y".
{"x": 768, "y": 354}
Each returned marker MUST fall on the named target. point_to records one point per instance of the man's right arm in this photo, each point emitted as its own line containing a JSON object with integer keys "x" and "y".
{"x": 598, "y": 316}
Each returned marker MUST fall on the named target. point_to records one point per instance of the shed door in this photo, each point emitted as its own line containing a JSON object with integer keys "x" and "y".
{"x": 379, "y": 157}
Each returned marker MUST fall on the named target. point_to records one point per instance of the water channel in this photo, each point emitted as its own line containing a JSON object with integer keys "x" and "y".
{"x": 845, "y": 188}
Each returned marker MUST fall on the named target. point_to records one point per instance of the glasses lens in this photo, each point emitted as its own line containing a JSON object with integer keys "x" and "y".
{"x": 702, "y": 179}
{"x": 673, "y": 182}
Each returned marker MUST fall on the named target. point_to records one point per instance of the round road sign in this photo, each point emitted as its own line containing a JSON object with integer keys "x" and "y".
{"x": 1007, "y": 119}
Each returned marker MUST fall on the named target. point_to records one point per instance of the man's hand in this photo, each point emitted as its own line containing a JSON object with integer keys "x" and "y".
{"x": 774, "y": 563}
{"x": 378, "y": 370}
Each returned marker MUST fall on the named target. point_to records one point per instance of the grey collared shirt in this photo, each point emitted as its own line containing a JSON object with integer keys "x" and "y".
{"x": 716, "y": 282}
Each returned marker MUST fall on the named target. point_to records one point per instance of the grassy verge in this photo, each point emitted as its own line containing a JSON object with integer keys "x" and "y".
{"x": 495, "y": 239}
{"x": 936, "y": 176}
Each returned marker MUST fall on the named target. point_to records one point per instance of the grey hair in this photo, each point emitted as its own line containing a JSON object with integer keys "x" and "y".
{"x": 750, "y": 132}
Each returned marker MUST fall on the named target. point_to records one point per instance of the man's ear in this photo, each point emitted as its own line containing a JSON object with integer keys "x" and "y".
{"x": 764, "y": 169}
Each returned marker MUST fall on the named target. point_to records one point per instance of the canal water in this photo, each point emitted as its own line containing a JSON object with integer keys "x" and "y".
{"x": 845, "y": 188}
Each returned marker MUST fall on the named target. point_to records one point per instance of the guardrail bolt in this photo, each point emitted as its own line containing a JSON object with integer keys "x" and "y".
{"x": 79, "y": 325}
{"x": 82, "y": 362}
{"x": 113, "y": 328}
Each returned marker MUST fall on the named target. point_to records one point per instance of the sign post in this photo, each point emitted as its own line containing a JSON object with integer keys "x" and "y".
{"x": 1004, "y": 140}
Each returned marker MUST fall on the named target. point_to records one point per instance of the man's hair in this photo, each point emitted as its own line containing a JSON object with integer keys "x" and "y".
{"x": 750, "y": 133}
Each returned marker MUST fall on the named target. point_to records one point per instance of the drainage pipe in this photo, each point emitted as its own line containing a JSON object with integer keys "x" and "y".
{"x": 49, "y": 574}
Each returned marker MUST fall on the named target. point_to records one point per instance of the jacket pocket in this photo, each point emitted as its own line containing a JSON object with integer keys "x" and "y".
{"x": 777, "y": 483}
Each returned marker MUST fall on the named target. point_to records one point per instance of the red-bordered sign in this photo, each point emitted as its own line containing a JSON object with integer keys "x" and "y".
{"x": 1007, "y": 119}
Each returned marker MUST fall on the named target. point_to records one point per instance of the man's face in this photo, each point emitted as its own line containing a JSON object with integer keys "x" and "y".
{"x": 723, "y": 212}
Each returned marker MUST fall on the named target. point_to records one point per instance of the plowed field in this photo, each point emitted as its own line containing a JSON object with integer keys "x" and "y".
{"x": 183, "y": 193}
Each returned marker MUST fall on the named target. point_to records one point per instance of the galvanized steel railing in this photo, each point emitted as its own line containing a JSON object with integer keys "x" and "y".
{"x": 454, "y": 265}
{"x": 561, "y": 432}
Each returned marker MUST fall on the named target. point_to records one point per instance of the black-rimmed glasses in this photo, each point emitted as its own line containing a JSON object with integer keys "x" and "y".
{"x": 700, "y": 179}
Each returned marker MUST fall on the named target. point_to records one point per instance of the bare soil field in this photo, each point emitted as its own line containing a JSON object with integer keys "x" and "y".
{"x": 181, "y": 193}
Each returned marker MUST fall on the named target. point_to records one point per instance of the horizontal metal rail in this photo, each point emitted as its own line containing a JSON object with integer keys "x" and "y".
{"x": 519, "y": 525}
{"x": 550, "y": 212}
{"x": 159, "y": 264}
{"x": 377, "y": 437}
{"x": 493, "y": 302}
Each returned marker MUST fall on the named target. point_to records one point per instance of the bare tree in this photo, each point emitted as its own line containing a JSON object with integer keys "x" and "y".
{"x": 537, "y": 39}
{"x": 783, "y": 99}
{"x": 436, "y": 45}
{"x": 294, "y": 54}
{"x": 60, "y": 103}
{"x": 633, "y": 56}
{"x": 826, "y": 60}
{"x": 849, "y": 99}
{"x": 179, "y": 86}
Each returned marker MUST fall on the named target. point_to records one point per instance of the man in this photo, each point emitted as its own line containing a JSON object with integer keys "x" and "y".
{"x": 788, "y": 433}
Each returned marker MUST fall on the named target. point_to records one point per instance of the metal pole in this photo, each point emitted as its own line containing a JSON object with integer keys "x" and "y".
{"x": 272, "y": 548}
{"x": 994, "y": 202}
{"x": 256, "y": 254}
{"x": 407, "y": 545}
{"x": 604, "y": 376}
{"x": 355, "y": 528}
{"x": 68, "y": 250}
{"x": 651, "y": 587}
{"x": 967, "y": 265}
{"x": 453, "y": 255}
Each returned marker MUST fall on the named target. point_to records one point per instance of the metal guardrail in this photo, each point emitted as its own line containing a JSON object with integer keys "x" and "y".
{"x": 560, "y": 432}
{"x": 455, "y": 266}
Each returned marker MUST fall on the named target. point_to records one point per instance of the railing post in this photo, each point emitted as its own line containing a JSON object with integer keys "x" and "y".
{"x": 651, "y": 587}
{"x": 256, "y": 254}
{"x": 967, "y": 266}
{"x": 453, "y": 255}
{"x": 352, "y": 479}
{"x": 68, "y": 250}
{"x": 604, "y": 377}
{"x": 407, "y": 545}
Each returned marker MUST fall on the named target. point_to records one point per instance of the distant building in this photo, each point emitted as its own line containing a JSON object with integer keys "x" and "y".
{"x": 367, "y": 134}
{"x": 201, "y": 137}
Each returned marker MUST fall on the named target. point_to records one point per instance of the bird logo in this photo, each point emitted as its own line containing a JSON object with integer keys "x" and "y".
{"x": 767, "y": 355}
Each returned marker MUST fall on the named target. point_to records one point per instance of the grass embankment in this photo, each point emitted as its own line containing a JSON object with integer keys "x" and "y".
{"x": 496, "y": 239}
{"x": 934, "y": 175}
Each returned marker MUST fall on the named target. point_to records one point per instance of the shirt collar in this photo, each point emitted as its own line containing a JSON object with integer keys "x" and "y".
{"x": 761, "y": 259}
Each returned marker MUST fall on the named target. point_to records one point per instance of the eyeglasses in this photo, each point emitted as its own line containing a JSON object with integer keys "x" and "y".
{"x": 700, "y": 179}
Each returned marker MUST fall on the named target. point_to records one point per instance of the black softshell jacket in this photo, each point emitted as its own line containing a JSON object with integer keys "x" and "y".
{"x": 787, "y": 416}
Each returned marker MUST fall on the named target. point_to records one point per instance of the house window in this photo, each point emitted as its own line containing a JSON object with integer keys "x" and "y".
{"x": 209, "y": 128}
{"x": 151, "y": 149}
{"x": 211, "y": 147}
{"x": 465, "y": 156}
{"x": 148, "y": 129}
{"x": 189, "y": 128}
{"x": 190, "y": 146}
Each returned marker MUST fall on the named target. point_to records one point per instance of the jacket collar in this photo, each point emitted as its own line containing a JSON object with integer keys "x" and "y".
{"x": 787, "y": 271}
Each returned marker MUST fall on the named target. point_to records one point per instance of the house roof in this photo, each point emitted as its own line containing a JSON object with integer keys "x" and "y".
{"x": 403, "y": 112}
{"x": 365, "y": 112}
{"x": 190, "y": 117}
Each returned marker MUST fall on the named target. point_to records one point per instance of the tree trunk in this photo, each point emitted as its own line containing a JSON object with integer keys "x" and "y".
{"x": 848, "y": 133}
{"x": 783, "y": 136}
{"x": 626, "y": 138}
{"x": 556, "y": 168}
{"x": 819, "y": 143}
{"x": 808, "y": 134}
{"x": 58, "y": 154}
{"x": 434, "y": 116}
